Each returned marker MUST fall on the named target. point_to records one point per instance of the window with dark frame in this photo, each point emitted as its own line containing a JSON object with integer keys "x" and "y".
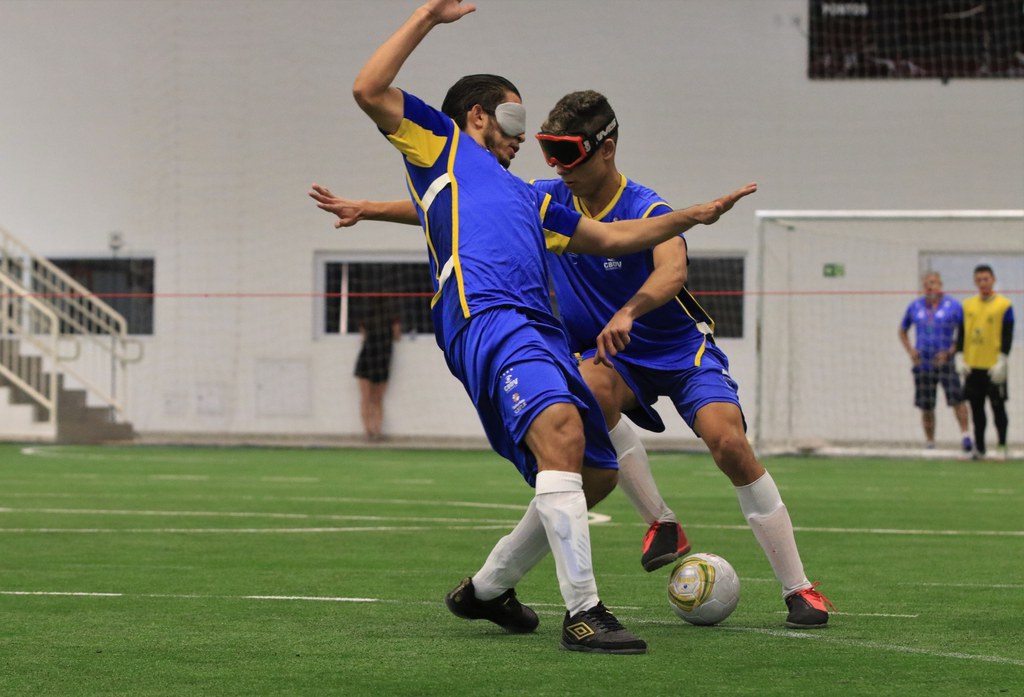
{"x": 125, "y": 284}
{"x": 404, "y": 286}
{"x": 716, "y": 282}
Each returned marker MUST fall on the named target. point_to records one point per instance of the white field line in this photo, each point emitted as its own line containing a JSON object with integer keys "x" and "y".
{"x": 972, "y": 585}
{"x": 556, "y": 608}
{"x": 877, "y": 531}
{"x": 400, "y": 502}
{"x": 878, "y": 646}
{"x": 300, "y": 480}
{"x": 243, "y": 514}
{"x": 825, "y": 636}
{"x": 595, "y": 518}
{"x": 67, "y": 453}
{"x": 242, "y": 531}
{"x": 776, "y": 633}
{"x": 180, "y": 477}
{"x": 998, "y": 586}
{"x": 518, "y": 508}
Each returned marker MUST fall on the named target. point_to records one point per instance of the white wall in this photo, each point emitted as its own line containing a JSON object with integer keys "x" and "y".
{"x": 195, "y": 128}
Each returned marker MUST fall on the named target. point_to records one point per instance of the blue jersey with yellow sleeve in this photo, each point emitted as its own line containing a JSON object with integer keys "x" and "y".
{"x": 590, "y": 290}
{"x": 486, "y": 229}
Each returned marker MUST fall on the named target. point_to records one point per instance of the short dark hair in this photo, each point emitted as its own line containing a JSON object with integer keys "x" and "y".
{"x": 584, "y": 112}
{"x": 980, "y": 268}
{"x": 486, "y": 90}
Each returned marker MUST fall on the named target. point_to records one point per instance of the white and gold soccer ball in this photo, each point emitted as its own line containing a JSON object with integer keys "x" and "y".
{"x": 703, "y": 588}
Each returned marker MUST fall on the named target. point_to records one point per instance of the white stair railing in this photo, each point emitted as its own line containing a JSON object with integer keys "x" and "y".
{"x": 102, "y": 348}
{"x": 26, "y": 321}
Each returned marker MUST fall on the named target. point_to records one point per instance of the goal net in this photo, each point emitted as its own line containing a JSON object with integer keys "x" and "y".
{"x": 833, "y": 288}
{"x": 883, "y": 39}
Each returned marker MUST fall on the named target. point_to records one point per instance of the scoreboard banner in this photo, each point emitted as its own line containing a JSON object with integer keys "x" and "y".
{"x": 937, "y": 39}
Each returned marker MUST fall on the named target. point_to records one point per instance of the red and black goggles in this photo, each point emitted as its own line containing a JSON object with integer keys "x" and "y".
{"x": 572, "y": 149}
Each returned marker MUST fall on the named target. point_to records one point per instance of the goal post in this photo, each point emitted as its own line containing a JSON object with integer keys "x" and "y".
{"x": 831, "y": 289}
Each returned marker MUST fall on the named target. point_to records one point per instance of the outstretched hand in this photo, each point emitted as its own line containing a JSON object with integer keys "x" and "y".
{"x": 448, "y": 11}
{"x": 349, "y": 212}
{"x": 708, "y": 213}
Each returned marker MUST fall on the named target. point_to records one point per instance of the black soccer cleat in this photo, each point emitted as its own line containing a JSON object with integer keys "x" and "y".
{"x": 808, "y": 609}
{"x": 664, "y": 542}
{"x": 597, "y": 631}
{"x": 505, "y": 611}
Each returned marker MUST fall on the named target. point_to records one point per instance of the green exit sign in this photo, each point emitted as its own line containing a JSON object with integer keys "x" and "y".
{"x": 833, "y": 271}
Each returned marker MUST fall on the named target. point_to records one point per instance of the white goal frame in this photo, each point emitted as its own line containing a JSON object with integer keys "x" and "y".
{"x": 768, "y": 219}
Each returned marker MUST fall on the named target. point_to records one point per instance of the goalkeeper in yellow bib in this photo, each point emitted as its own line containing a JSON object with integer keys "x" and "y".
{"x": 486, "y": 233}
{"x": 982, "y": 352}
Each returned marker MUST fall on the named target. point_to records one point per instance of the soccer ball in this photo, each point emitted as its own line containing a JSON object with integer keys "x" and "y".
{"x": 703, "y": 589}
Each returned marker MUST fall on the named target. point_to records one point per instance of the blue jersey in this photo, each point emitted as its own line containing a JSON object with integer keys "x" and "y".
{"x": 486, "y": 229}
{"x": 934, "y": 327}
{"x": 590, "y": 290}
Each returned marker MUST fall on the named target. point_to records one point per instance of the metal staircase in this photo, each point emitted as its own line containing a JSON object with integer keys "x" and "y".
{"x": 63, "y": 352}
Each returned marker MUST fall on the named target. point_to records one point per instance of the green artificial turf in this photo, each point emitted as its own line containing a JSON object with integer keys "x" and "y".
{"x": 206, "y": 571}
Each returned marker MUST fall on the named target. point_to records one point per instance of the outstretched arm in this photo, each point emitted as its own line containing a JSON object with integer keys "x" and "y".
{"x": 372, "y": 88}
{"x": 350, "y": 211}
{"x": 628, "y": 236}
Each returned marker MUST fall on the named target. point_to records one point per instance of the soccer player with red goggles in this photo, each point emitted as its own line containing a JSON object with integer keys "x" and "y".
{"x": 573, "y": 149}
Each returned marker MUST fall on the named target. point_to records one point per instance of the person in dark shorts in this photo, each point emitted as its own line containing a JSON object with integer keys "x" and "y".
{"x": 936, "y": 319}
{"x": 380, "y": 329}
{"x": 983, "y": 349}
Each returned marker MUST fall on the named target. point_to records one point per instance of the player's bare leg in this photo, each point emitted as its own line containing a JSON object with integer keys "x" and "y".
{"x": 598, "y": 483}
{"x": 375, "y": 417}
{"x": 721, "y": 427}
{"x": 557, "y": 520}
{"x": 665, "y": 540}
{"x": 556, "y": 439}
{"x": 960, "y": 412}
{"x": 366, "y": 407}
{"x": 928, "y": 423}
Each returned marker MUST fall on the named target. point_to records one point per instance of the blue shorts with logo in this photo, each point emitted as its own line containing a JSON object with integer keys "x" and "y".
{"x": 513, "y": 368}
{"x": 689, "y": 389}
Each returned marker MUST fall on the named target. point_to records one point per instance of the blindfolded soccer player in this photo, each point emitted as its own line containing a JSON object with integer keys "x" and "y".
{"x": 487, "y": 232}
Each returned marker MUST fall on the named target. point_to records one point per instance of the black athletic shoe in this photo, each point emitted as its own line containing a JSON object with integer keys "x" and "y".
{"x": 663, "y": 543}
{"x": 505, "y": 611}
{"x": 808, "y": 609}
{"x": 596, "y": 630}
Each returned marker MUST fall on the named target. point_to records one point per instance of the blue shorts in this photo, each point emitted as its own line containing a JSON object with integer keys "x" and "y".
{"x": 689, "y": 389}
{"x": 513, "y": 368}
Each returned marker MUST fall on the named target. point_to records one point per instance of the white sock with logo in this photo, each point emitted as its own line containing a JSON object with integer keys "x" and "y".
{"x": 635, "y": 478}
{"x": 768, "y": 518}
{"x": 563, "y": 511}
{"x": 513, "y": 556}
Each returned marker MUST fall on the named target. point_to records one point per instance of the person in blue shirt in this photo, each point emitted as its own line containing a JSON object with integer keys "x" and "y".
{"x": 936, "y": 319}
{"x": 486, "y": 234}
{"x": 641, "y": 335}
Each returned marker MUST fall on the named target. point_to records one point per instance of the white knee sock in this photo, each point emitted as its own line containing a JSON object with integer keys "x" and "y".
{"x": 513, "y": 556}
{"x": 563, "y": 511}
{"x": 768, "y": 518}
{"x": 635, "y": 478}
